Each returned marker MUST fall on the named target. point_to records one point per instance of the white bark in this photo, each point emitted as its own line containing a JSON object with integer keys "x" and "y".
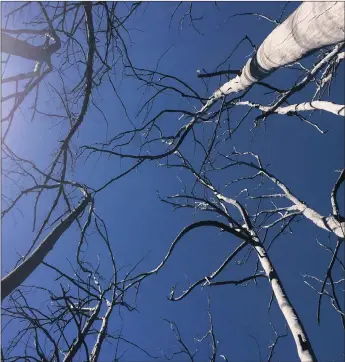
{"x": 337, "y": 109}
{"x": 303, "y": 345}
{"x": 312, "y": 26}
{"x": 304, "y": 348}
{"x": 337, "y": 60}
{"x": 329, "y": 223}
{"x": 101, "y": 335}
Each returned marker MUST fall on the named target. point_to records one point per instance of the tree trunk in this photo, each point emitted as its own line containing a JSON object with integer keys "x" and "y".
{"x": 23, "y": 49}
{"x": 101, "y": 335}
{"x": 78, "y": 342}
{"x": 14, "y": 279}
{"x": 304, "y": 348}
{"x": 312, "y": 26}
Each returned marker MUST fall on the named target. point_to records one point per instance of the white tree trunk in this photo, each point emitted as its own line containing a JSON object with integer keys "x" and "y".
{"x": 303, "y": 345}
{"x": 312, "y": 26}
{"x": 304, "y": 348}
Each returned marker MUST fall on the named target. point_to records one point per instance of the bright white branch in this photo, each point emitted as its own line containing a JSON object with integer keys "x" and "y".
{"x": 327, "y": 75}
{"x": 337, "y": 109}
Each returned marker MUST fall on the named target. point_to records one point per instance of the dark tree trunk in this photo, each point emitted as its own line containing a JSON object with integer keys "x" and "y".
{"x": 14, "y": 279}
{"x": 23, "y": 49}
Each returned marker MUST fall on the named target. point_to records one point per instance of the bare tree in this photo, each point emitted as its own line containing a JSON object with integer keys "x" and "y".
{"x": 326, "y": 35}
{"x": 73, "y": 322}
{"x": 183, "y": 346}
{"x": 243, "y": 228}
{"x": 27, "y": 176}
{"x": 71, "y": 50}
{"x": 78, "y": 307}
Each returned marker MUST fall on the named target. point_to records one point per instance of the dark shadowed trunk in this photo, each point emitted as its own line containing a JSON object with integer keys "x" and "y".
{"x": 24, "y": 270}
{"x": 21, "y": 48}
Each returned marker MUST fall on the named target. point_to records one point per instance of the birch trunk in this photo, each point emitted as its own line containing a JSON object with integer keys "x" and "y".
{"x": 311, "y": 26}
{"x": 303, "y": 345}
{"x": 304, "y": 348}
{"x": 14, "y": 279}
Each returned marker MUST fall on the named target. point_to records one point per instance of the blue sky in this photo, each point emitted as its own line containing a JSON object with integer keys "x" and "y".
{"x": 140, "y": 225}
